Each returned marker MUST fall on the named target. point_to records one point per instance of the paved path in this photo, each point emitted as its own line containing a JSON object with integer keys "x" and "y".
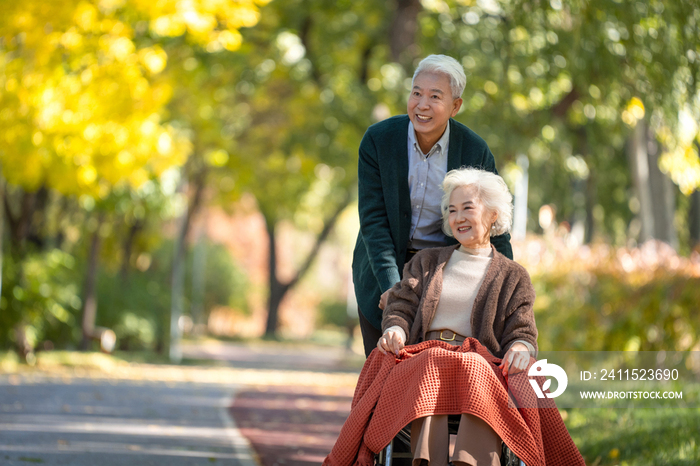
{"x": 289, "y": 403}
{"x": 289, "y": 424}
{"x": 85, "y": 421}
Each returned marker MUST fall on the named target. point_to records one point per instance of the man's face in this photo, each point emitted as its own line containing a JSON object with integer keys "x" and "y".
{"x": 430, "y": 106}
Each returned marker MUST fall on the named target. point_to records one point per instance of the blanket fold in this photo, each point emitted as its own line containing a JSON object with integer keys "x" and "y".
{"x": 435, "y": 377}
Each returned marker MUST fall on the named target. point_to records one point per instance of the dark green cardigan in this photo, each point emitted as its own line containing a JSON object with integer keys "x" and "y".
{"x": 385, "y": 205}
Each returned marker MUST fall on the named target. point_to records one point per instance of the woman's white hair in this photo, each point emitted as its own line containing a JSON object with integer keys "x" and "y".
{"x": 445, "y": 65}
{"x": 492, "y": 191}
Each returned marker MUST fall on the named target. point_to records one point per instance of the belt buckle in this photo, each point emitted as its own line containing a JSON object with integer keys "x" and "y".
{"x": 454, "y": 335}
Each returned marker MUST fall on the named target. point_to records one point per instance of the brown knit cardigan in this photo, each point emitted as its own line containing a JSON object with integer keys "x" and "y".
{"x": 502, "y": 311}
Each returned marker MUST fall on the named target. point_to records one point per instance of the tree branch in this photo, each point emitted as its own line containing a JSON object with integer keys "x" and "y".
{"x": 327, "y": 228}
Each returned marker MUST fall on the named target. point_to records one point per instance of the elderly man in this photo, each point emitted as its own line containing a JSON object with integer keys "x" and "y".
{"x": 402, "y": 163}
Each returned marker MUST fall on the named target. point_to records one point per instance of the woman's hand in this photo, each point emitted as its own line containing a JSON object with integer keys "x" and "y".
{"x": 515, "y": 360}
{"x": 392, "y": 340}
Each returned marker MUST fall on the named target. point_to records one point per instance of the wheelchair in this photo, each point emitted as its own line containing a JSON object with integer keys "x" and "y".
{"x": 402, "y": 442}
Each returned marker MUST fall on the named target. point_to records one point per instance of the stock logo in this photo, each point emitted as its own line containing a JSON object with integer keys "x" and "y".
{"x": 542, "y": 369}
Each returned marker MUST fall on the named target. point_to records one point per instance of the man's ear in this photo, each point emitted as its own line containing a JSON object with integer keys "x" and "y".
{"x": 456, "y": 105}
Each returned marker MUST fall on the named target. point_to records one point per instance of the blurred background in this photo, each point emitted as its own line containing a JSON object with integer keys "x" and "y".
{"x": 188, "y": 168}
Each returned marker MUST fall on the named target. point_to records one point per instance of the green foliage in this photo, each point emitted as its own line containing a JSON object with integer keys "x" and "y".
{"x": 225, "y": 283}
{"x": 602, "y": 299}
{"x": 137, "y": 307}
{"x": 134, "y": 332}
{"x": 40, "y": 293}
{"x": 334, "y": 313}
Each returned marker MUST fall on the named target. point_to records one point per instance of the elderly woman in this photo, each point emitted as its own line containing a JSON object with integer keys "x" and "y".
{"x": 452, "y": 293}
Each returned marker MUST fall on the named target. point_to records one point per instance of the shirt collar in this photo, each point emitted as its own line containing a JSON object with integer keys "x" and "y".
{"x": 441, "y": 144}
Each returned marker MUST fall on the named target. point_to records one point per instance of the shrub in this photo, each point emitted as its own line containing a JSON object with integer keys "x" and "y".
{"x": 601, "y": 299}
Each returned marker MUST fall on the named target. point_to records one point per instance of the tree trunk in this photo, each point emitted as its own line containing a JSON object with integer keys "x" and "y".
{"x": 639, "y": 164}
{"x": 90, "y": 298}
{"x": 24, "y": 350}
{"x": 278, "y": 290}
{"x": 178, "y": 272}
{"x": 402, "y": 33}
{"x": 663, "y": 196}
{"x": 128, "y": 246}
{"x": 199, "y": 274}
{"x": 177, "y": 280}
{"x": 590, "y": 205}
{"x": 694, "y": 219}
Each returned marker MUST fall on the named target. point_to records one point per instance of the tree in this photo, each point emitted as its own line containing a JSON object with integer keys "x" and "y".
{"x": 84, "y": 101}
{"x": 566, "y": 83}
{"x": 303, "y": 96}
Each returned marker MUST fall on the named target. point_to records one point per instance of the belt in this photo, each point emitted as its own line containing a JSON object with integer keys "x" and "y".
{"x": 410, "y": 253}
{"x": 444, "y": 335}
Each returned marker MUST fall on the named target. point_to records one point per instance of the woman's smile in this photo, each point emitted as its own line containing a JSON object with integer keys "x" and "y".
{"x": 469, "y": 219}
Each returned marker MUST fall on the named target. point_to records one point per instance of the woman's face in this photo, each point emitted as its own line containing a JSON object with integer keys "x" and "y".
{"x": 469, "y": 220}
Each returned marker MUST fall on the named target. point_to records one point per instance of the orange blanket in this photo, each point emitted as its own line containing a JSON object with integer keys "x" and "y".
{"x": 435, "y": 377}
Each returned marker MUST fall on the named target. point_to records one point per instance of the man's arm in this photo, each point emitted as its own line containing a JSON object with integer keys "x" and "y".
{"x": 374, "y": 221}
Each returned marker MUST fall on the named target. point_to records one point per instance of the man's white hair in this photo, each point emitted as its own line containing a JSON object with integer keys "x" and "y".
{"x": 492, "y": 191}
{"x": 445, "y": 65}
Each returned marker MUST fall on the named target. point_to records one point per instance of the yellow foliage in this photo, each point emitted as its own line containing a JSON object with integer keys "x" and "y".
{"x": 213, "y": 24}
{"x": 80, "y": 104}
{"x": 683, "y": 165}
{"x": 634, "y": 111}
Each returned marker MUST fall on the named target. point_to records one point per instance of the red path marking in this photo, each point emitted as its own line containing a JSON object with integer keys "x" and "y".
{"x": 292, "y": 426}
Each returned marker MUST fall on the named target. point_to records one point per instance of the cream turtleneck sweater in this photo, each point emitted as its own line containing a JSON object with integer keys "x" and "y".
{"x": 461, "y": 280}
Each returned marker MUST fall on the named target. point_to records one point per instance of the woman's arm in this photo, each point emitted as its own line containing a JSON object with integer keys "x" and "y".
{"x": 520, "y": 330}
{"x": 520, "y": 318}
{"x": 404, "y": 299}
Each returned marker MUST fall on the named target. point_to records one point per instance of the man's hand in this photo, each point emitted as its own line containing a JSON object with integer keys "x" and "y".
{"x": 383, "y": 299}
{"x": 391, "y": 341}
{"x": 515, "y": 360}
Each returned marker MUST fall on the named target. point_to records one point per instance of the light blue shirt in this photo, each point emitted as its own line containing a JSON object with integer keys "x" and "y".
{"x": 425, "y": 175}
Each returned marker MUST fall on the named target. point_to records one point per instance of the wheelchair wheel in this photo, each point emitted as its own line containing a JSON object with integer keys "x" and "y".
{"x": 508, "y": 458}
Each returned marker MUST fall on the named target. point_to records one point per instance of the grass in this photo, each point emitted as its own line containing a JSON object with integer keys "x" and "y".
{"x": 636, "y": 437}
